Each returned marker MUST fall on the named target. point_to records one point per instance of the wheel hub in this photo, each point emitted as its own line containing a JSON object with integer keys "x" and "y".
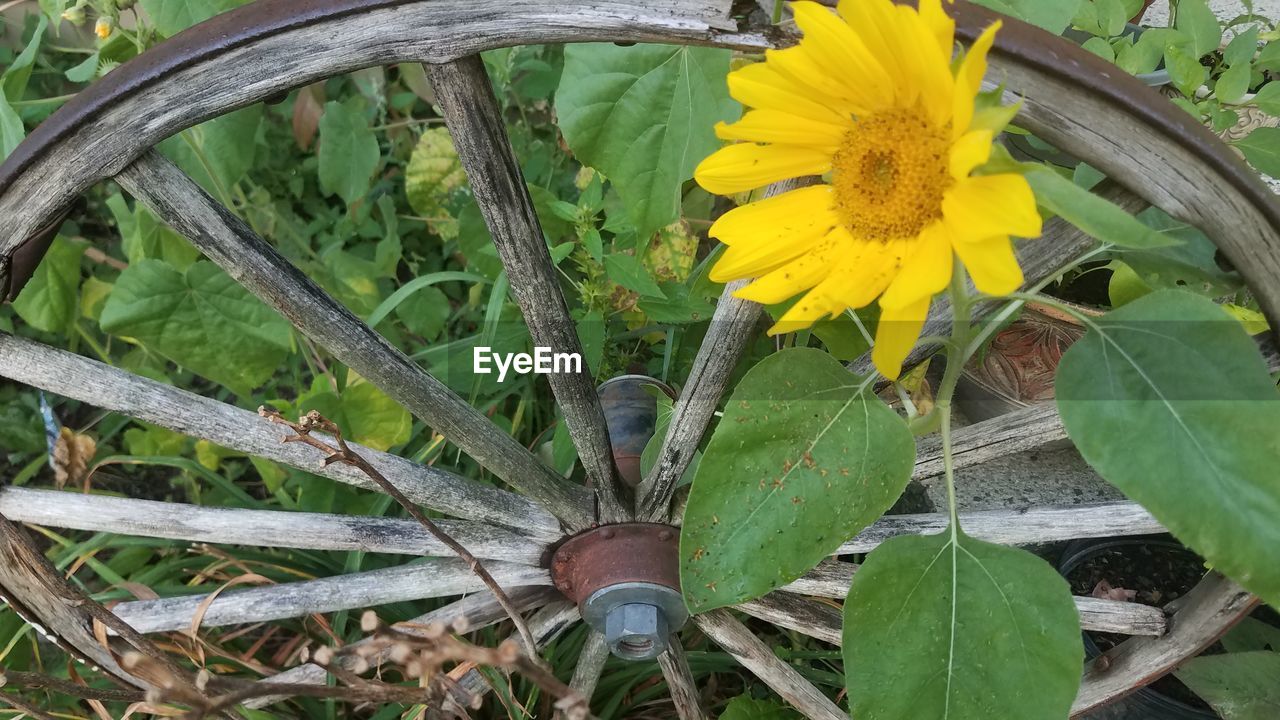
{"x": 626, "y": 581}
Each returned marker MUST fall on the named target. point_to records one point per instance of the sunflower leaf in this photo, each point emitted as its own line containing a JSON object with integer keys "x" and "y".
{"x": 644, "y": 116}
{"x": 1185, "y": 387}
{"x": 804, "y": 458}
{"x": 1240, "y": 686}
{"x": 944, "y": 626}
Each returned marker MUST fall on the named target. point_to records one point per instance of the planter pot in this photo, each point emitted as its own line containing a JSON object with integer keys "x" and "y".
{"x": 1018, "y": 369}
{"x": 1085, "y": 560}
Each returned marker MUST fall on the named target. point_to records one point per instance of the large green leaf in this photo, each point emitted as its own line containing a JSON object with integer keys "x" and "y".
{"x": 804, "y": 458}
{"x": 1169, "y": 400}
{"x": 945, "y": 626}
{"x": 349, "y": 152}
{"x": 1240, "y": 686}
{"x": 49, "y": 302}
{"x": 200, "y": 319}
{"x": 1052, "y": 16}
{"x": 644, "y": 116}
{"x": 13, "y": 83}
{"x": 365, "y": 413}
{"x": 174, "y": 16}
{"x": 745, "y": 707}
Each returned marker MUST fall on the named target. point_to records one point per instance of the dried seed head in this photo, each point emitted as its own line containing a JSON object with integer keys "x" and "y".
{"x": 153, "y": 696}
{"x": 400, "y": 653}
{"x": 433, "y": 630}
{"x": 202, "y": 680}
{"x": 3, "y": 680}
{"x": 477, "y": 702}
{"x": 413, "y": 669}
{"x": 323, "y": 655}
{"x": 131, "y": 660}
{"x": 369, "y": 621}
{"x": 461, "y": 624}
{"x": 305, "y": 654}
{"x": 367, "y": 650}
{"x": 359, "y": 666}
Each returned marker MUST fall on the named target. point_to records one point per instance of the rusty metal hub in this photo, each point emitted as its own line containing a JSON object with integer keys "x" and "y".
{"x": 626, "y": 581}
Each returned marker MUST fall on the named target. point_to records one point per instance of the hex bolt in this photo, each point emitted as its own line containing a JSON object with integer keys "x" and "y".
{"x": 636, "y": 631}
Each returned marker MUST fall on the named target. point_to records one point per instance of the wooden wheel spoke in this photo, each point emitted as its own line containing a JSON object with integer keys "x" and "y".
{"x": 589, "y": 667}
{"x": 228, "y": 241}
{"x": 262, "y": 528}
{"x": 89, "y": 381}
{"x": 832, "y": 578}
{"x": 733, "y": 324}
{"x": 684, "y": 689}
{"x": 1203, "y": 615}
{"x": 436, "y": 577}
{"x": 738, "y": 641}
{"x": 475, "y": 122}
{"x": 1016, "y": 526}
{"x": 477, "y": 611}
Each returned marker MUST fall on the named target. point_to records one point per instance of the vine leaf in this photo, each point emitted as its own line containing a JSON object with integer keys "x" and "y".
{"x": 349, "y": 152}
{"x": 200, "y": 319}
{"x": 944, "y": 626}
{"x": 1170, "y": 401}
{"x": 804, "y": 458}
{"x": 173, "y": 16}
{"x": 644, "y": 116}
{"x": 49, "y": 301}
{"x": 1240, "y": 686}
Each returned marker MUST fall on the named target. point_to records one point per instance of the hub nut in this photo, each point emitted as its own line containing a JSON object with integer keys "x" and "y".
{"x": 636, "y": 631}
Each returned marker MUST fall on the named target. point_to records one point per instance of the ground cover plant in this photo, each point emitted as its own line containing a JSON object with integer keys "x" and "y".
{"x": 660, "y": 173}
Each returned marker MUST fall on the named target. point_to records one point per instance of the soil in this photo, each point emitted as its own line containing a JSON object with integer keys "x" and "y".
{"x": 1159, "y": 572}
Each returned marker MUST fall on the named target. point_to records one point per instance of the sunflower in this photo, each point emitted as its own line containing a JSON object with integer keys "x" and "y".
{"x": 868, "y": 99}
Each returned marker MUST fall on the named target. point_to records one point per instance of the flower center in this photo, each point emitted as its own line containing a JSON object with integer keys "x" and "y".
{"x": 889, "y": 174}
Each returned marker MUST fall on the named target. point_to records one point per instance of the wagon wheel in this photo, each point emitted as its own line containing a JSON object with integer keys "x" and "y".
{"x": 1071, "y": 99}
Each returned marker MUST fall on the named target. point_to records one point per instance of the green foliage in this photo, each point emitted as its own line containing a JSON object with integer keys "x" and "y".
{"x": 1197, "y": 21}
{"x": 1182, "y": 383}
{"x": 349, "y": 152}
{"x": 49, "y": 302}
{"x": 1052, "y": 16}
{"x": 218, "y": 153}
{"x": 173, "y": 16}
{"x": 1094, "y": 215}
{"x": 798, "y": 431}
{"x": 947, "y": 626}
{"x": 365, "y": 413}
{"x": 1262, "y": 148}
{"x": 643, "y": 116}
{"x": 195, "y": 318}
{"x": 744, "y": 707}
{"x": 1240, "y": 686}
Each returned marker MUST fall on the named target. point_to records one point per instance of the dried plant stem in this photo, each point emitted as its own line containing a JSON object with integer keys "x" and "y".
{"x": 344, "y": 454}
{"x": 36, "y": 681}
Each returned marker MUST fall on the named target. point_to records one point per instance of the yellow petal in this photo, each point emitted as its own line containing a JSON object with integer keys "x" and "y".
{"x": 969, "y": 79}
{"x": 775, "y": 217}
{"x": 925, "y": 272}
{"x": 843, "y": 54}
{"x": 876, "y": 23}
{"x": 746, "y": 166}
{"x": 762, "y": 86}
{"x": 992, "y": 264}
{"x": 940, "y": 25}
{"x": 766, "y": 234}
{"x": 854, "y": 281}
{"x": 930, "y": 68}
{"x": 802, "y": 68}
{"x": 776, "y": 126}
{"x": 971, "y": 150}
{"x": 802, "y": 273}
{"x": 896, "y": 334}
{"x": 980, "y": 207}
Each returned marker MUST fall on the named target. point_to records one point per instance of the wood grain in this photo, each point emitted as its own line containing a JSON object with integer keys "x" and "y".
{"x": 746, "y": 648}
{"x": 261, "y": 528}
{"x": 474, "y": 118}
{"x": 73, "y": 376}
{"x": 430, "y": 578}
{"x": 251, "y": 261}
{"x": 680, "y": 682}
{"x": 588, "y": 667}
{"x": 1205, "y": 614}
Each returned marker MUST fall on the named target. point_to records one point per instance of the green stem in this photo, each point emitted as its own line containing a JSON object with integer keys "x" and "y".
{"x": 961, "y": 329}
